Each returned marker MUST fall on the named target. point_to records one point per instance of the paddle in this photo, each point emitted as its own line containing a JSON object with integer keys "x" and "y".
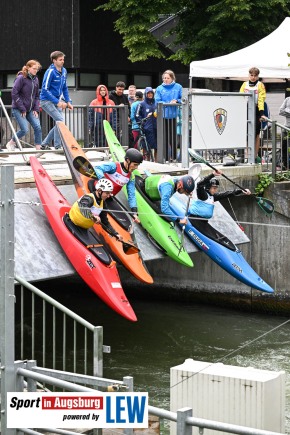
{"x": 265, "y": 204}
{"x": 194, "y": 172}
{"x": 82, "y": 165}
{"x": 129, "y": 247}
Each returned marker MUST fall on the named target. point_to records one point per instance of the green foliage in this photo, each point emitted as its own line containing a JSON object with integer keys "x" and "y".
{"x": 204, "y": 28}
{"x": 264, "y": 181}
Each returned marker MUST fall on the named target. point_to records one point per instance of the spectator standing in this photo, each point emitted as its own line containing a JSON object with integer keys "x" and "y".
{"x": 169, "y": 92}
{"x": 146, "y": 111}
{"x": 97, "y": 115}
{"x": 285, "y": 111}
{"x": 254, "y": 84}
{"x": 120, "y": 99}
{"x": 54, "y": 96}
{"x": 25, "y": 103}
{"x": 131, "y": 94}
{"x": 134, "y": 123}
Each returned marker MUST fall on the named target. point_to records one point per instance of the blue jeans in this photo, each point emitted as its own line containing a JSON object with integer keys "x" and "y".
{"x": 24, "y": 128}
{"x": 56, "y": 114}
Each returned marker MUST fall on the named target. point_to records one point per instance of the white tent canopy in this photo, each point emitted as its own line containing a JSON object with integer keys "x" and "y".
{"x": 269, "y": 55}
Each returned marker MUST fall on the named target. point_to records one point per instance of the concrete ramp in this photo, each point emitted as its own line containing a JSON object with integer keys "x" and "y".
{"x": 38, "y": 255}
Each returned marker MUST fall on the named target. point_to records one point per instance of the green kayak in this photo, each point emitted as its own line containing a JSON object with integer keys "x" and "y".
{"x": 161, "y": 230}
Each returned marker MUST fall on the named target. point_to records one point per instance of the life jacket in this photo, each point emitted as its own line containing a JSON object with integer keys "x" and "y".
{"x": 78, "y": 218}
{"x": 153, "y": 183}
{"x": 119, "y": 178}
{"x": 201, "y": 208}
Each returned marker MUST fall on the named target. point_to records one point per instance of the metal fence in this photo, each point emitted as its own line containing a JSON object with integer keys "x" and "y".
{"x": 275, "y": 147}
{"x": 54, "y": 335}
{"x": 85, "y": 123}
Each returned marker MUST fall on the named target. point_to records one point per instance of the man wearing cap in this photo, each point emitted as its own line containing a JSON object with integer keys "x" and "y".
{"x": 135, "y": 125}
{"x": 162, "y": 187}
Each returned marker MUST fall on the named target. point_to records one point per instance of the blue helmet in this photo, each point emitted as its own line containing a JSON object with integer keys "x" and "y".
{"x": 187, "y": 183}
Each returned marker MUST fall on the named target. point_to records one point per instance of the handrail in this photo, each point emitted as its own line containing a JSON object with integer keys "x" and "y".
{"x": 56, "y": 304}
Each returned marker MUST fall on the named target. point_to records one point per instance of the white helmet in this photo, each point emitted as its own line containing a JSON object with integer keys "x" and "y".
{"x": 104, "y": 185}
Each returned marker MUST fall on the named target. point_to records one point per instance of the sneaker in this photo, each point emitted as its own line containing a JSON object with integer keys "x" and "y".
{"x": 11, "y": 145}
{"x": 44, "y": 147}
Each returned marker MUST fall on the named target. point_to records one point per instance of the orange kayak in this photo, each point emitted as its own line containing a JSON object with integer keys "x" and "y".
{"x": 132, "y": 262}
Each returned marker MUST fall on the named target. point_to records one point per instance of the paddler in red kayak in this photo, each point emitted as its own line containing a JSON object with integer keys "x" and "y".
{"x": 89, "y": 209}
{"x": 120, "y": 174}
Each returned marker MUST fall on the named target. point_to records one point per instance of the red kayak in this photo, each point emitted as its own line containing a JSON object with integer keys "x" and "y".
{"x": 82, "y": 247}
{"x": 118, "y": 220}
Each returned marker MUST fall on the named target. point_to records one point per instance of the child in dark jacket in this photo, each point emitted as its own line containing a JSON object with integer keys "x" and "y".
{"x": 146, "y": 111}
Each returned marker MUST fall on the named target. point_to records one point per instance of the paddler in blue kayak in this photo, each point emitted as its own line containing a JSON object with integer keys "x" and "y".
{"x": 120, "y": 174}
{"x": 162, "y": 187}
{"x": 89, "y": 209}
{"x": 207, "y": 194}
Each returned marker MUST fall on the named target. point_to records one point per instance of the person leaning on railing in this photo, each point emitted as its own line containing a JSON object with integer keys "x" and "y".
{"x": 285, "y": 111}
{"x": 169, "y": 92}
{"x": 98, "y": 114}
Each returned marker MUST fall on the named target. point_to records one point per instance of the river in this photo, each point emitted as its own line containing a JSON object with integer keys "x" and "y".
{"x": 168, "y": 332}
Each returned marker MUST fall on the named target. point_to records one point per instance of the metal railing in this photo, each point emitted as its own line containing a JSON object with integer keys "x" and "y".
{"x": 47, "y": 329}
{"x": 71, "y": 382}
{"x": 275, "y": 147}
{"x": 82, "y": 122}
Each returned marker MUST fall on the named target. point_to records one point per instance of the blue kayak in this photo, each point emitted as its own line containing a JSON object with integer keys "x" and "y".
{"x": 219, "y": 248}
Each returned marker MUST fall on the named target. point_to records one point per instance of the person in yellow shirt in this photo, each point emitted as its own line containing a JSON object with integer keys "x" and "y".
{"x": 90, "y": 208}
{"x": 253, "y": 84}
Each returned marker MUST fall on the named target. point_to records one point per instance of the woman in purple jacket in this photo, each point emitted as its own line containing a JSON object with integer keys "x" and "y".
{"x": 25, "y": 103}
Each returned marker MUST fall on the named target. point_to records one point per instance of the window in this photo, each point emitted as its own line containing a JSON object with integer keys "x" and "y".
{"x": 71, "y": 80}
{"x": 10, "y": 80}
{"x": 142, "y": 81}
{"x": 114, "y": 78}
{"x": 89, "y": 80}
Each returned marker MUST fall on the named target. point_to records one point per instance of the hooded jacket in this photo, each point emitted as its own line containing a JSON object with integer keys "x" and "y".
{"x": 25, "y": 93}
{"x": 102, "y": 101}
{"x": 99, "y": 114}
{"x": 166, "y": 93}
{"x": 145, "y": 108}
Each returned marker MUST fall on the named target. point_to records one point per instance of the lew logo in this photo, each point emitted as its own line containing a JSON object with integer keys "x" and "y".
{"x": 220, "y": 117}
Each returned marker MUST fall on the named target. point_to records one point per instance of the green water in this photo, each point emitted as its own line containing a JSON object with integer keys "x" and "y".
{"x": 167, "y": 333}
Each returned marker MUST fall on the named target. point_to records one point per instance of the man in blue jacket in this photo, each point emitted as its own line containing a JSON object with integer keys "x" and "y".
{"x": 54, "y": 96}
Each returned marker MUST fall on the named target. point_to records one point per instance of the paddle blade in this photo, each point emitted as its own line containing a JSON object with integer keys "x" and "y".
{"x": 195, "y": 170}
{"x": 82, "y": 165}
{"x": 265, "y": 204}
{"x": 196, "y": 156}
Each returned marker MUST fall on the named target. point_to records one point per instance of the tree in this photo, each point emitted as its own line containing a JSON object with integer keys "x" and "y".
{"x": 204, "y": 29}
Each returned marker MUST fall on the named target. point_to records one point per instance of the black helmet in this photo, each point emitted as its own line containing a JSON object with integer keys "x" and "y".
{"x": 134, "y": 156}
{"x": 212, "y": 182}
{"x": 187, "y": 183}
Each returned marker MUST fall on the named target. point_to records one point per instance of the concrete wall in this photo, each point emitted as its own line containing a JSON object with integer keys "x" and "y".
{"x": 267, "y": 252}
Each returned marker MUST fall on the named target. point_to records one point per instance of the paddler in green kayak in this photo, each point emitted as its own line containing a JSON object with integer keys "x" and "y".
{"x": 162, "y": 187}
